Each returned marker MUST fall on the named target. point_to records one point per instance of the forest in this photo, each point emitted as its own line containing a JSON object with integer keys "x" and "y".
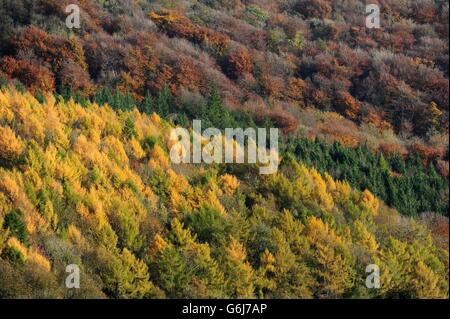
{"x": 91, "y": 186}
{"x": 86, "y": 177}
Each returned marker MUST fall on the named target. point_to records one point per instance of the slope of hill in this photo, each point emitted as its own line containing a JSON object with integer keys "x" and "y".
{"x": 89, "y": 186}
{"x": 85, "y": 175}
{"x": 271, "y": 58}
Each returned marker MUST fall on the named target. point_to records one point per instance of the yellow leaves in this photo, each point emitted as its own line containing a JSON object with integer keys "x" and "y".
{"x": 434, "y": 110}
{"x": 11, "y": 184}
{"x": 240, "y": 269}
{"x": 134, "y": 204}
{"x": 158, "y": 245}
{"x": 96, "y": 205}
{"x": 369, "y": 201}
{"x": 214, "y": 202}
{"x": 29, "y": 113}
{"x": 136, "y": 150}
{"x": 333, "y": 265}
{"x": 38, "y": 260}
{"x": 149, "y": 125}
{"x": 405, "y": 266}
{"x": 54, "y": 129}
{"x": 177, "y": 182}
{"x": 236, "y": 250}
{"x": 15, "y": 244}
{"x": 183, "y": 196}
{"x": 83, "y": 211}
{"x": 181, "y": 237}
{"x": 178, "y": 202}
{"x": 11, "y": 147}
{"x": 88, "y": 152}
{"x": 426, "y": 283}
{"x": 33, "y": 177}
{"x": 49, "y": 214}
{"x": 342, "y": 192}
{"x": 6, "y": 114}
{"x": 331, "y": 184}
{"x": 150, "y": 196}
{"x": 334, "y": 272}
{"x": 206, "y": 196}
{"x": 93, "y": 175}
{"x": 155, "y": 118}
{"x": 74, "y": 235}
{"x": 229, "y": 183}
{"x": 66, "y": 172}
{"x": 31, "y": 256}
{"x": 33, "y": 128}
{"x": 89, "y": 121}
{"x": 51, "y": 159}
{"x": 303, "y": 184}
{"x": 115, "y": 150}
{"x": 364, "y": 237}
{"x": 118, "y": 176}
{"x": 158, "y": 158}
{"x": 320, "y": 190}
{"x": 318, "y": 181}
{"x": 132, "y": 276}
{"x": 290, "y": 227}
{"x": 316, "y": 228}
{"x": 318, "y": 231}
{"x": 308, "y": 187}
{"x": 180, "y": 191}
{"x": 268, "y": 261}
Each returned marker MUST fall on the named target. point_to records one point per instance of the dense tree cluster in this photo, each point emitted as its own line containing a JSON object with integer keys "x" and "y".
{"x": 413, "y": 184}
{"x": 265, "y": 57}
{"x": 407, "y": 185}
{"x": 91, "y": 186}
{"x": 85, "y": 176}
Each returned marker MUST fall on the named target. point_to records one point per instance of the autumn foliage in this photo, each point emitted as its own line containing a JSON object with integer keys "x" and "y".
{"x": 176, "y": 24}
{"x": 239, "y": 62}
{"x": 34, "y": 76}
{"x": 303, "y": 53}
{"x": 225, "y": 237}
{"x": 86, "y": 176}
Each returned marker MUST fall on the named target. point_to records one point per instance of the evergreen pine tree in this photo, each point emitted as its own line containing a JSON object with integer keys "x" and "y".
{"x": 165, "y": 101}
{"x": 147, "y": 105}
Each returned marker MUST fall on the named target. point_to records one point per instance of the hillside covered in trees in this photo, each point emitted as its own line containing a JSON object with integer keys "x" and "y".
{"x": 86, "y": 178}
{"x": 90, "y": 186}
{"x": 272, "y": 59}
